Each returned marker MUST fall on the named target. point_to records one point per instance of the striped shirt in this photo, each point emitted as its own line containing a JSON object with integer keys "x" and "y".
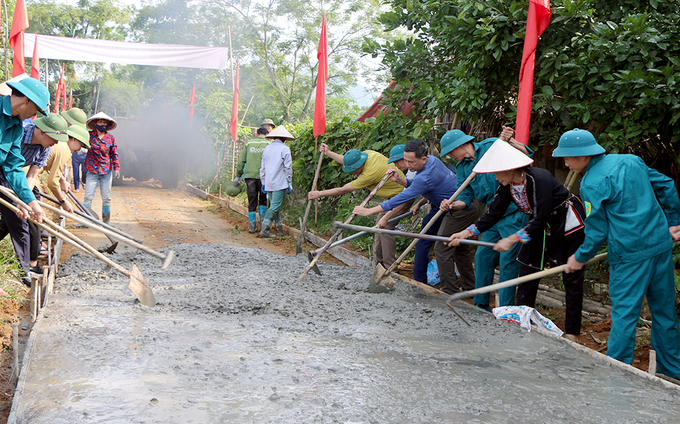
{"x": 34, "y": 154}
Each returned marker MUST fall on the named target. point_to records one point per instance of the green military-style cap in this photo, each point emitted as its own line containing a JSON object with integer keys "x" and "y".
{"x": 75, "y": 116}
{"x": 353, "y": 160}
{"x": 577, "y": 143}
{"x": 452, "y": 140}
{"x": 396, "y": 153}
{"x": 80, "y": 133}
{"x": 53, "y": 125}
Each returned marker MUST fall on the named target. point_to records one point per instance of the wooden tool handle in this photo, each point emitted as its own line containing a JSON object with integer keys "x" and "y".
{"x": 303, "y": 226}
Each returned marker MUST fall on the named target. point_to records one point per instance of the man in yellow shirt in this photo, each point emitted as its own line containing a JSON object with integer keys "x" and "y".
{"x": 370, "y": 166}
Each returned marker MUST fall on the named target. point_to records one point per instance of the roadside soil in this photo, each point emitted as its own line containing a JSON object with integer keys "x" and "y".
{"x": 168, "y": 217}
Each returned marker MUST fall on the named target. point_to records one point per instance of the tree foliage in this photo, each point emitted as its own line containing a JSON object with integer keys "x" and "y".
{"x": 610, "y": 67}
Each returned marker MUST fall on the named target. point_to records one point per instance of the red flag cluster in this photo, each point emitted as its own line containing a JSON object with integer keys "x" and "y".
{"x": 60, "y": 96}
{"x": 319, "y": 126}
{"x": 537, "y": 21}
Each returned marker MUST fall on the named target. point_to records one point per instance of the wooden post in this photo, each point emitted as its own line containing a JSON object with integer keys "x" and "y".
{"x": 15, "y": 351}
{"x": 652, "y": 362}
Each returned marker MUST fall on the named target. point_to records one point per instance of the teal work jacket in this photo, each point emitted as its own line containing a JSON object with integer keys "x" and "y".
{"x": 630, "y": 206}
{"x": 11, "y": 160}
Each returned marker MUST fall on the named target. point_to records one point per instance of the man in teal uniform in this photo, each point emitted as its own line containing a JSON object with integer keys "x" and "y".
{"x": 636, "y": 210}
{"x": 29, "y": 96}
{"x": 460, "y": 147}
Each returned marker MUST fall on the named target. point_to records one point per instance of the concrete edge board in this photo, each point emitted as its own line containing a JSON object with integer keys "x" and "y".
{"x": 25, "y": 362}
{"x": 608, "y": 360}
{"x": 345, "y": 256}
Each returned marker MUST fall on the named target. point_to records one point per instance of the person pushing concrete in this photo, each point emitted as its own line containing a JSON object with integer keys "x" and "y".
{"x": 370, "y": 166}
{"x": 461, "y": 148}
{"x": 276, "y": 177}
{"x": 435, "y": 182}
{"x": 636, "y": 210}
{"x": 249, "y": 168}
{"x": 29, "y": 96}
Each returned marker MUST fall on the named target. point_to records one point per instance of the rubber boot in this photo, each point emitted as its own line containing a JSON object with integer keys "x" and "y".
{"x": 106, "y": 214}
{"x": 263, "y": 211}
{"x": 252, "y": 221}
{"x": 279, "y": 224}
{"x": 266, "y": 225}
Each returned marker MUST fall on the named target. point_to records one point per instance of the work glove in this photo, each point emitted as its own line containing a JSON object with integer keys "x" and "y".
{"x": 262, "y": 189}
{"x": 236, "y": 181}
{"x": 289, "y": 190}
{"x": 116, "y": 174}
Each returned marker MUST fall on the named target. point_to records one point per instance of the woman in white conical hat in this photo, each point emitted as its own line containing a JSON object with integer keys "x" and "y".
{"x": 554, "y": 231}
{"x": 101, "y": 162}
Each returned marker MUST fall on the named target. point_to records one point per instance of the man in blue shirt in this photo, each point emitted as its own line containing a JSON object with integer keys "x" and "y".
{"x": 435, "y": 182}
{"x": 636, "y": 210}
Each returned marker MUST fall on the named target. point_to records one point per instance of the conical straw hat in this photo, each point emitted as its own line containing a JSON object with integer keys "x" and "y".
{"x": 501, "y": 157}
{"x": 280, "y": 132}
{"x": 101, "y": 115}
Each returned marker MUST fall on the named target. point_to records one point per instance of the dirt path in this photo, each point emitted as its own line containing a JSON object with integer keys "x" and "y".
{"x": 167, "y": 217}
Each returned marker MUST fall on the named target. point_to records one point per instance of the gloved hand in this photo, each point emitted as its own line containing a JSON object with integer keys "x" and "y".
{"x": 289, "y": 190}
{"x": 262, "y": 189}
{"x": 116, "y": 174}
{"x": 236, "y": 181}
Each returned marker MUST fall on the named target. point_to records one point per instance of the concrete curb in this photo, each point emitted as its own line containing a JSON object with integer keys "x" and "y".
{"x": 345, "y": 256}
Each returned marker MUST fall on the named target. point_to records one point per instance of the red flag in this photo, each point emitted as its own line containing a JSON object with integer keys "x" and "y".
{"x": 63, "y": 96}
{"x": 319, "y": 126}
{"x": 192, "y": 101}
{"x": 35, "y": 62}
{"x": 537, "y": 21}
{"x": 233, "y": 124}
{"x": 58, "y": 94}
{"x": 16, "y": 37}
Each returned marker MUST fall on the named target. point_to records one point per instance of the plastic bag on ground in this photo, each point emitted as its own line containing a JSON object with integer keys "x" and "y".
{"x": 525, "y": 316}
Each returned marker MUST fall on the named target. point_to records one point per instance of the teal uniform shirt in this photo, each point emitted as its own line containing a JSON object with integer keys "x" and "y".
{"x": 630, "y": 206}
{"x": 11, "y": 160}
{"x": 251, "y": 158}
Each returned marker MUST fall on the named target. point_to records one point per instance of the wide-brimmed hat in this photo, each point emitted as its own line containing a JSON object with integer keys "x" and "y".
{"x": 500, "y": 157}
{"x": 53, "y": 125}
{"x": 577, "y": 143}
{"x": 101, "y": 115}
{"x": 268, "y": 122}
{"x": 80, "y": 133}
{"x": 280, "y": 132}
{"x": 353, "y": 160}
{"x": 452, "y": 140}
{"x": 34, "y": 90}
{"x": 75, "y": 116}
{"x": 396, "y": 153}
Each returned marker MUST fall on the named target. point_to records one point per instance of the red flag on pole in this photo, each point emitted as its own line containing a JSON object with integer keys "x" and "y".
{"x": 319, "y": 126}
{"x": 60, "y": 87}
{"x": 233, "y": 125}
{"x": 537, "y": 21}
{"x": 192, "y": 101}
{"x": 35, "y": 62}
{"x": 16, "y": 37}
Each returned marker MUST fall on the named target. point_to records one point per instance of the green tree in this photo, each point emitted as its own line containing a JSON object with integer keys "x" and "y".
{"x": 610, "y": 67}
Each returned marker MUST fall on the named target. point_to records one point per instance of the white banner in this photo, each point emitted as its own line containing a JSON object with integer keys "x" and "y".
{"x": 93, "y": 50}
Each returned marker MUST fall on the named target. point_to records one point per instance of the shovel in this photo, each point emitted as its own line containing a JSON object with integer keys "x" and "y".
{"x": 515, "y": 281}
{"x": 110, "y": 249}
{"x": 89, "y": 214}
{"x": 311, "y": 253}
{"x": 137, "y": 284}
{"x": 419, "y": 236}
{"x": 303, "y": 225}
{"x": 382, "y": 273}
{"x": 337, "y": 233}
{"x": 167, "y": 259}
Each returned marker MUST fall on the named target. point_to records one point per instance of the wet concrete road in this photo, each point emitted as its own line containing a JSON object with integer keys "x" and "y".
{"x": 236, "y": 338}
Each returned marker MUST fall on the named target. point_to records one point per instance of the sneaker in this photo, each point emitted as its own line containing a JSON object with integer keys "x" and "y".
{"x": 36, "y": 270}
{"x": 266, "y": 234}
{"x": 253, "y": 227}
{"x": 26, "y": 281}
